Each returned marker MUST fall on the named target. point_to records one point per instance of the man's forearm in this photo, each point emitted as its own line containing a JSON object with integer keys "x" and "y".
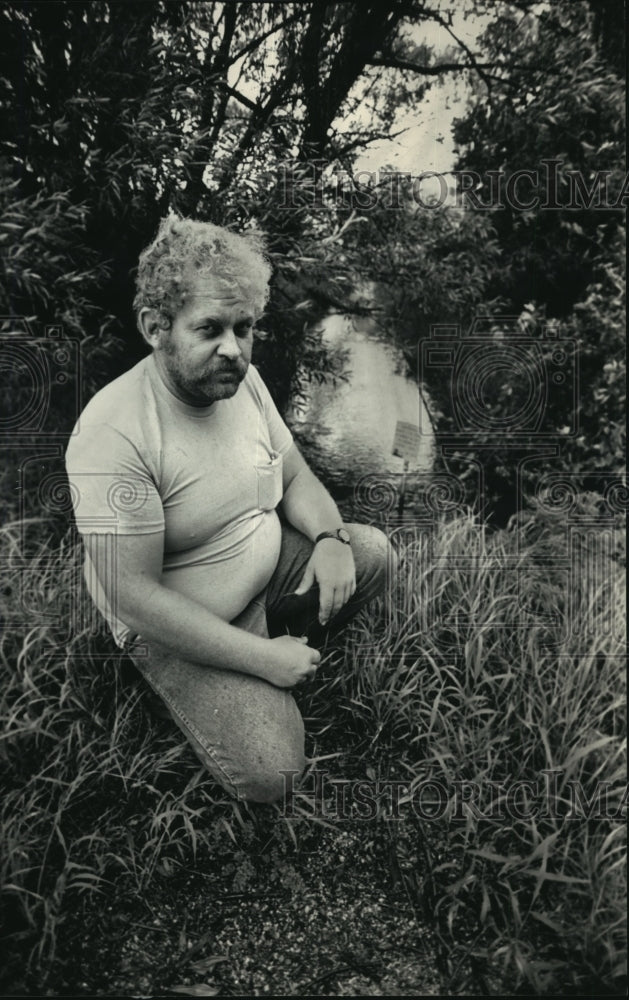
{"x": 309, "y": 507}
{"x": 164, "y": 616}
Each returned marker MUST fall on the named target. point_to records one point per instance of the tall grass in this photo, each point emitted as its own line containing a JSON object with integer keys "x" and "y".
{"x": 96, "y": 789}
{"x": 505, "y": 658}
{"x": 489, "y": 662}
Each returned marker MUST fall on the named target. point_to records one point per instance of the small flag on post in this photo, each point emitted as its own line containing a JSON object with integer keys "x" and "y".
{"x": 406, "y": 446}
{"x": 406, "y": 441}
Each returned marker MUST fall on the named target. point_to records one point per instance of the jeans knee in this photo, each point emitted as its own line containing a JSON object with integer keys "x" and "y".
{"x": 386, "y": 559}
{"x": 376, "y": 559}
{"x": 272, "y": 781}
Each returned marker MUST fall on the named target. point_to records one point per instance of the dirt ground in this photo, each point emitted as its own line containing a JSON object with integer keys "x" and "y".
{"x": 325, "y": 919}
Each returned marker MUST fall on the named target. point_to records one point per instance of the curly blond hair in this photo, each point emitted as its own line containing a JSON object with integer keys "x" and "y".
{"x": 183, "y": 249}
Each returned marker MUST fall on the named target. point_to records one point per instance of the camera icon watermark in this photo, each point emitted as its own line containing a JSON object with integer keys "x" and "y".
{"x": 501, "y": 378}
{"x": 42, "y": 376}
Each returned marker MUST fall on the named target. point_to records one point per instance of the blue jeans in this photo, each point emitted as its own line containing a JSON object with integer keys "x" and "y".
{"x": 245, "y": 730}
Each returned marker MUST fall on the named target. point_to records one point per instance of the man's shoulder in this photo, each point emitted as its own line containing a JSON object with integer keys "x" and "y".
{"x": 119, "y": 402}
{"x": 256, "y": 386}
{"x": 118, "y": 418}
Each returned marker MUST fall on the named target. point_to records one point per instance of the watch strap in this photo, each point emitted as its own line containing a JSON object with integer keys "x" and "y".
{"x": 334, "y": 534}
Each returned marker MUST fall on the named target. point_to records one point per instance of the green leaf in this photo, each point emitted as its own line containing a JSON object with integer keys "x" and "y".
{"x": 207, "y": 964}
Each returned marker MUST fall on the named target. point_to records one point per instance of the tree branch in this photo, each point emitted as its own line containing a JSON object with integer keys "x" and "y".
{"x": 361, "y": 38}
{"x": 248, "y": 103}
{"x": 470, "y": 55}
{"x": 393, "y": 63}
{"x": 324, "y": 298}
{"x": 213, "y": 112}
{"x": 257, "y": 41}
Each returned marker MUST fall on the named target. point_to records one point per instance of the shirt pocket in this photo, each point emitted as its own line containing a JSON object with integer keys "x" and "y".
{"x": 269, "y": 477}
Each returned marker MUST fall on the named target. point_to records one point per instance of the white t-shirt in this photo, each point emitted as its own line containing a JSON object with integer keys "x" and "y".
{"x": 209, "y": 478}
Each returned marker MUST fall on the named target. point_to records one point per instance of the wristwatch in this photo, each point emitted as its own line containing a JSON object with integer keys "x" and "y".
{"x": 341, "y": 535}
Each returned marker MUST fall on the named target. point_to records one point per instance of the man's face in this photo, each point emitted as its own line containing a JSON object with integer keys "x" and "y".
{"x": 205, "y": 354}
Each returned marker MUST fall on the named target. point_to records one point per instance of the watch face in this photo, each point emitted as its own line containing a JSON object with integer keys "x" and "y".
{"x": 343, "y": 535}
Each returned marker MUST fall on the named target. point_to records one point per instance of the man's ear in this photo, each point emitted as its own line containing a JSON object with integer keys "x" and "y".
{"x": 150, "y": 327}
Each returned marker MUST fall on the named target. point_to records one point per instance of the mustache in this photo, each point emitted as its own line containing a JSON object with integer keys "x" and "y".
{"x": 232, "y": 368}
{"x": 226, "y": 368}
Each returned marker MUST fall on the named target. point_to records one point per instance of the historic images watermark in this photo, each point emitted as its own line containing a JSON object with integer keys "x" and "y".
{"x": 548, "y": 186}
{"x": 548, "y": 796}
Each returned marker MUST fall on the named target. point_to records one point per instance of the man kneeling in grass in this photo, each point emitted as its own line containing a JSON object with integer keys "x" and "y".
{"x": 219, "y": 603}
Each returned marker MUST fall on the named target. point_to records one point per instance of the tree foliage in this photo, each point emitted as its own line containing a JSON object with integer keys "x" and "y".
{"x": 552, "y": 269}
{"x": 252, "y": 115}
{"x": 117, "y": 113}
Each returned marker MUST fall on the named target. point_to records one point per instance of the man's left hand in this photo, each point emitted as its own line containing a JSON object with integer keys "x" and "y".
{"x": 331, "y": 565}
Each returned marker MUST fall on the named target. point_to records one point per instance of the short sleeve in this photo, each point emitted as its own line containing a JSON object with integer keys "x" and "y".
{"x": 111, "y": 488}
{"x": 281, "y": 437}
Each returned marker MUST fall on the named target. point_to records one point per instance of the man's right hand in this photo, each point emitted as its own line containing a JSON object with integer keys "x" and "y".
{"x": 291, "y": 661}
{"x": 171, "y": 619}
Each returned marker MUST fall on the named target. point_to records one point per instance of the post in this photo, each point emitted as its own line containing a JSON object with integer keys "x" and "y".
{"x": 405, "y": 445}
{"x": 400, "y": 506}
